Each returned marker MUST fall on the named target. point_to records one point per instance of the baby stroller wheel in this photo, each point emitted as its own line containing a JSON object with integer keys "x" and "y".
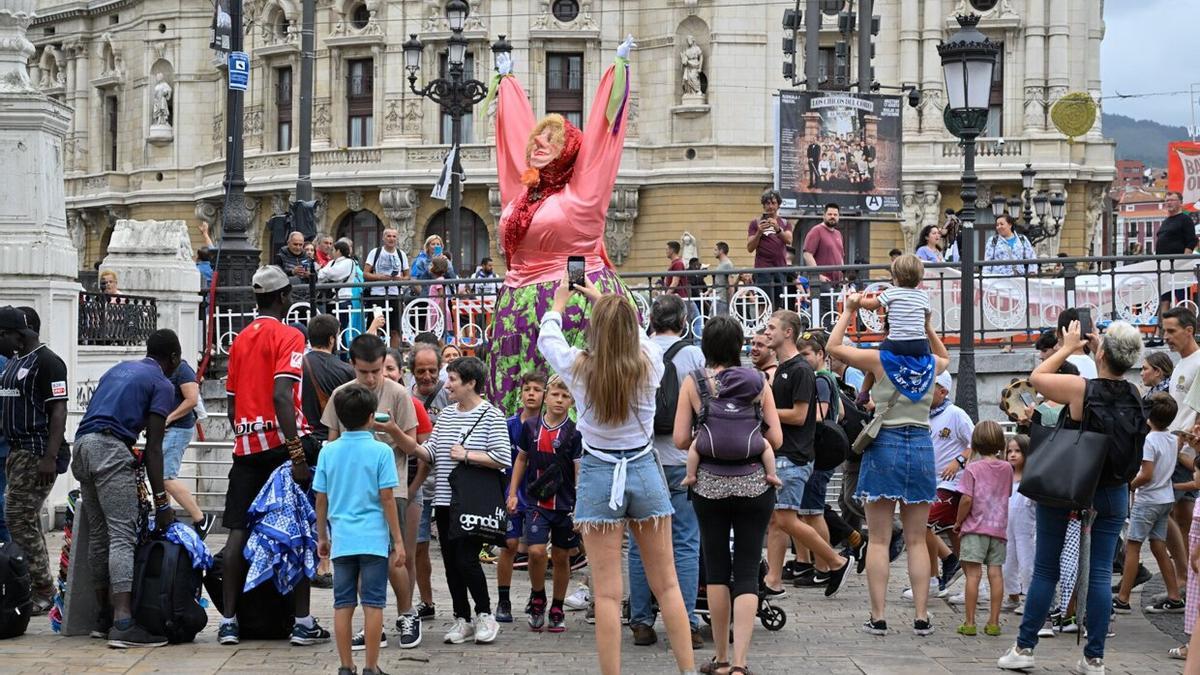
{"x": 707, "y": 619}
{"x": 772, "y": 618}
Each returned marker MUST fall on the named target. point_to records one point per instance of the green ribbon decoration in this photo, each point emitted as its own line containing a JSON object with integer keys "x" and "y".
{"x": 493, "y": 89}
{"x": 617, "y": 96}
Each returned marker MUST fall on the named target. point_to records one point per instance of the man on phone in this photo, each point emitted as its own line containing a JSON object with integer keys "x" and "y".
{"x": 768, "y": 238}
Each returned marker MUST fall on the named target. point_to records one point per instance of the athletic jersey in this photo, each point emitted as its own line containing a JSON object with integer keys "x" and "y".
{"x": 27, "y": 385}
{"x": 543, "y": 446}
{"x": 263, "y": 352}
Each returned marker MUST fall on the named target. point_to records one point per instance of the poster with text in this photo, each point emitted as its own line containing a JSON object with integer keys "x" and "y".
{"x": 839, "y": 147}
{"x": 1183, "y": 172}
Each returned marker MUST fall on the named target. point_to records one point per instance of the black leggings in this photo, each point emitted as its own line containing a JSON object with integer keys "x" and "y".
{"x": 748, "y": 517}
{"x": 463, "y": 572}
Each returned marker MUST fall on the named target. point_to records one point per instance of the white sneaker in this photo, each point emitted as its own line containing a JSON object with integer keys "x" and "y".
{"x": 486, "y": 629}
{"x": 961, "y": 598}
{"x": 1016, "y": 659}
{"x": 933, "y": 589}
{"x": 1010, "y": 605}
{"x": 1086, "y": 666}
{"x": 461, "y": 632}
{"x": 579, "y": 599}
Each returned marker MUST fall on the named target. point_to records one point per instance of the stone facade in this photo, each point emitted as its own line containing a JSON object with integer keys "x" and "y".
{"x": 692, "y": 162}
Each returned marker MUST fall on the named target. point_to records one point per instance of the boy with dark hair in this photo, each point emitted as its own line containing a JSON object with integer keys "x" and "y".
{"x": 533, "y": 391}
{"x": 546, "y": 467}
{"x": 354, "y": 484}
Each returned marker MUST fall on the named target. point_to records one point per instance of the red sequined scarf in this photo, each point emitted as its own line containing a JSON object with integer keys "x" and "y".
{"x": 539, "y": 185}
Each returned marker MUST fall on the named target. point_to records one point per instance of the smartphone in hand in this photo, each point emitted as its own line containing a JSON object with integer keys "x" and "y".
{"x": 1086, "y": 327}
{"x": 575, "y": 271}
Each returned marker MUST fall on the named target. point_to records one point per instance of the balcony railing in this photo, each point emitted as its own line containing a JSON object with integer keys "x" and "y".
{"x": 119, "y": 320}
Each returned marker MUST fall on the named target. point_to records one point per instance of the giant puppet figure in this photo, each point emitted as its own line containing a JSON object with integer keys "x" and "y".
{"x": 555, "y": 185}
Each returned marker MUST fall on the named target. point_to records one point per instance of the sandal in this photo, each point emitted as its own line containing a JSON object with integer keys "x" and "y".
{"x": 739, "y": 669}
{"x": 713, "y": 666}
{"x": 1178, "y": 653}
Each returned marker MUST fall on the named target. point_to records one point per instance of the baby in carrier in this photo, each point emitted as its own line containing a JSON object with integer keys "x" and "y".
{"x": 728, "y": 428}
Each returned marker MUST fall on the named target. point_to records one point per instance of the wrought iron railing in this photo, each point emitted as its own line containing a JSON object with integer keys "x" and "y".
{"x": 124, "y": 320}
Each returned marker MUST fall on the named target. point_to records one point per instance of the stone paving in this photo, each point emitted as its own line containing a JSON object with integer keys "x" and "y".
{"x": 821, "y": 636}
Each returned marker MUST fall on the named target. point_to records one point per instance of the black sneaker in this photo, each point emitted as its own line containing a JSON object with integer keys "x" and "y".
{"x": 521, "y": 561}
{"x": 359, "y": 642}
{"x": 578, "y": 561}
{"x": 923, "y": 627}
{"x": 322, "y": 581}
{"x": 1121, "y": 607}
{"x": 205, "y": 525}
{"x": 774, "y": 594}
{"x": 504, "y": 612}
{"x": 837, "y": 577}
{"x": 227, "y": 634}
{"x": 104, "y": 623}
{"x": 133, "y": 637}
{"x": 874, "y": 627}
{"x": 303, "y": 635}
{"x": 1167, "y": 606}
{"x": 950, "y": 567}
{"x": 860, "y": 556}
{"x": 425, "y": 611}
{"x": 409, "y": 626}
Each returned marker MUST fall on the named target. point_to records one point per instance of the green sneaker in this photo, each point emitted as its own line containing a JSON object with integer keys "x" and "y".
{"x": 992, "y": 629}
{"x": 969, "y": 631}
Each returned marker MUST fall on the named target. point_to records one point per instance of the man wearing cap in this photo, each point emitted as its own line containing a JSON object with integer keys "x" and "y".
{"x": 265, "y": 410}
{"x": 33, "y": 413}
{"x": 951, "y": 429}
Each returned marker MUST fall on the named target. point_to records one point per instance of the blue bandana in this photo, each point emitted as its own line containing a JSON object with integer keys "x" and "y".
{"x": 911, "y": 375}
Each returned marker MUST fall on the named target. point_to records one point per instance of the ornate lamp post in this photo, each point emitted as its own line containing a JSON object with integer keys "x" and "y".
{"x": 968, "y": 59}
{"x": 1032, "y": 207}
{"x": 455, "y": 95}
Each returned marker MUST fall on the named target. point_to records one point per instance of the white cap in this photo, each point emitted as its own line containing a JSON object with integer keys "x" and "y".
{"x": 269, "y": 279}
{"x": 944, "y": 380}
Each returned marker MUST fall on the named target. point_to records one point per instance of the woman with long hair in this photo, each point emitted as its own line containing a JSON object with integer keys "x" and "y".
{"x": 929, "y": 244}
{"x": 620, "y": 483}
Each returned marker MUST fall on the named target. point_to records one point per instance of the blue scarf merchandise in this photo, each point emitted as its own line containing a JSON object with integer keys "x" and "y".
{"x": 938, "y": 409}
{"x": 911, "y": 375}
{"x": 282, "y": 543}
{"x": 187, "y": 537}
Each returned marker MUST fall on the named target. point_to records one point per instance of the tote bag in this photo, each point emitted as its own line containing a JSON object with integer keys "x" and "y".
{"x": 477, "y": 504}
{"x": 1064, "y": 469}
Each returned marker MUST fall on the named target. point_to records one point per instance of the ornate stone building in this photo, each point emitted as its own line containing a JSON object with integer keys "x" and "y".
{"x": 147, "y": 139}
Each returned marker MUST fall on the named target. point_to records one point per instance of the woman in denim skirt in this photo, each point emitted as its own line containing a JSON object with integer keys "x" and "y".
{"x": 620, "y": 482}
{"x": 898, "y": 466}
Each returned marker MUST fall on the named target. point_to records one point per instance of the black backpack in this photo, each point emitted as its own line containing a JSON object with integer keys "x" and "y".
{"x": 166, "y": 592}
{"x": 667, "y": 397}
{"x": 830, "y": 443}
{"x": 1115, "y": 409}
{"x": 263, "y": 614}
{"x": 16, "y": 591}
{"x": 854, "y": 417}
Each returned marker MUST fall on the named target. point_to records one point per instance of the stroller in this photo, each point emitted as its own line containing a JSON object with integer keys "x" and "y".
{"x": 771, "y": 617}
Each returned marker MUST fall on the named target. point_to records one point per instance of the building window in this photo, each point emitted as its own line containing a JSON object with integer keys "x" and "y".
{"x": 360, "y": 17}
{"x": 467, "y": 253}
{"x": 360, "y": 102}
{"x": 283, "y": 108}
{"x": 468, "y": 120}
{"x": 564, "y": 86}
{"x": 565, "y": 10}
{"x": 1133, "y": 229}
{"x": 111, "y": 116}
{"x": 995, "y": 121}
{"x": 363, "y": 228}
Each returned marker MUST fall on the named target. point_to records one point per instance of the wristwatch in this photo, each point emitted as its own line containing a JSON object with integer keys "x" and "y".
{"x": 962, "y": 461}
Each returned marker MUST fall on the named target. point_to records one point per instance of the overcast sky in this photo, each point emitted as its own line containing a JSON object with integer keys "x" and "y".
{"x": 1149, "y": 46}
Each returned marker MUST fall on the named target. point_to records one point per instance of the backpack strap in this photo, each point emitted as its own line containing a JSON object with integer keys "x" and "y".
{"x": 322, "y": 395}
{"x": 835, "y": 400}
{"x": 701, "y": 377}
{"x": 674, "y": 349}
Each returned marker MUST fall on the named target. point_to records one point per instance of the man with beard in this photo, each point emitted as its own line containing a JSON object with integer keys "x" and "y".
{"x": 823, "y": 245}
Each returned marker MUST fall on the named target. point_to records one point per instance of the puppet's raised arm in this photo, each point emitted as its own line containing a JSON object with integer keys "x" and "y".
{"x": 514, "y": 123}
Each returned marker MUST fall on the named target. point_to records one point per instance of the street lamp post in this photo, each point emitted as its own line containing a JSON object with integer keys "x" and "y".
{"x": 968, "y": 59}
{"x": 1031, "y": 204}
{"x": 455, "y": 95}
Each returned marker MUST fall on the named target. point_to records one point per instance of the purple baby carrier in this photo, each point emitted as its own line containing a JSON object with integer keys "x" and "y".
{"x": 728, "y": 429}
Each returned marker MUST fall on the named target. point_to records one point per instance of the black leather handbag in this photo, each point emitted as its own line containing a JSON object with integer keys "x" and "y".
{"x": 1064, "y": 468}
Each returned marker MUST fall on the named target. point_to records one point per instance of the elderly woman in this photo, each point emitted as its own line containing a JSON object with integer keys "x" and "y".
{"x": 1115, "y": 354}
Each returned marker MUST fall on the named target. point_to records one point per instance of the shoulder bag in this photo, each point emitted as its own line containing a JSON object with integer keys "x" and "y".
{"x": 871, "y": 430}
{"x": 477, "y": 506}
{"x": 1064, "y": 469}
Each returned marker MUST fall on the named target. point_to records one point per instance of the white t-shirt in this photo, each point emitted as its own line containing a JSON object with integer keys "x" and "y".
{"x": 384, "y": 262}
{"x": 951, "y": 431}
{"x": 906, "y": 311}
{"x": 1085, "y": 364}
{"x": 1160, "y": 449}
{"x": 1187, "y": 396}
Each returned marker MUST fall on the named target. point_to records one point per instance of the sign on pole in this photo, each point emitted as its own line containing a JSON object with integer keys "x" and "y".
{"x": 239, "y": 70}
{"x": 1183, "y": 172}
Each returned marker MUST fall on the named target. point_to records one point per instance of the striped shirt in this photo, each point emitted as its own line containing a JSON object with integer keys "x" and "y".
{"x": 27, "y": 385}
{"x": 490, "y": 435}
{"x": 906, "y": 311}
{"x": 263, "y": 352}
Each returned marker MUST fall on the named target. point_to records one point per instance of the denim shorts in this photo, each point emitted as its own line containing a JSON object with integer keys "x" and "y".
{"x": 813, "y": 501}
{"x": 175, "y": 442}
{"x": 898, "y": 465}
{"x": 906, "y": 347}
{"x": 645, "y": 495}
{"x": 543, "y": 526}
{"x": 516, "y": 525}
{"x": 1149, "y": 521}
{"x": 425, "y": 528}
{"x": 360, "y": 576}
{"x": 790, "y": 497}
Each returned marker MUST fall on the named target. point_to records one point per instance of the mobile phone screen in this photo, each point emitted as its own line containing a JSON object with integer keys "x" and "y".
{"x": 575, "y": 270}
{"x": 1086, "y": 327}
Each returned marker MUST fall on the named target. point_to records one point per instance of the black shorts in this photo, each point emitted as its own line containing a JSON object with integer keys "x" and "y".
{"x": 391, "y": 306}
{"x": 247, "y": 477}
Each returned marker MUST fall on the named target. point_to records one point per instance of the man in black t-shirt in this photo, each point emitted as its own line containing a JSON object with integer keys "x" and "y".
{"x": 323, "y": 372}
{"x": 794, "y": 389}
{"x": 1176, "y": 236}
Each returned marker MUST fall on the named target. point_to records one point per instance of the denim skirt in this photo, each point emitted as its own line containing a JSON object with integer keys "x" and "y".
{"x": 899, "y": 465}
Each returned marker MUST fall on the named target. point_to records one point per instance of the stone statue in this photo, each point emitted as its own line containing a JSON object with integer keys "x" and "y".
{"x": 1095, "y": 214}
{"x": 690, "y": 247}
{"x": 161, "y": 114}
{"x": 914, "y": 214}
{"x": 692, "y": 59}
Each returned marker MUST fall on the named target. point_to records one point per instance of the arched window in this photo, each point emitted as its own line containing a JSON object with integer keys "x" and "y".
{"x": 364, "y": 229}
{"x": 465, "y": 254}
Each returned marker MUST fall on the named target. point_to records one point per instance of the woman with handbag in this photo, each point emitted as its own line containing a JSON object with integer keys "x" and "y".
{"x": 1092, "y": 451}
{"x": 729, "y": 494}
{"x": 470, "y": 432}
{"x": 620, "y": 482}
{"x": 897, "y": 464}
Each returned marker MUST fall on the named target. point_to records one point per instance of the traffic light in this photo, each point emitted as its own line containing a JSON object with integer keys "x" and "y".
{"x": 846, "y": 22}
{"x": 793, "y": 20}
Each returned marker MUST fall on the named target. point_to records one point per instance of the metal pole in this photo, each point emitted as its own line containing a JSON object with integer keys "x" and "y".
{"x": 455, "y": 196}
{"x": 864, "y": 47}
{"x": 237, "y": 260}
{"x": 966, "y": 397}
{"x": 812, "y": 45}
{"x": 307, "y": 54}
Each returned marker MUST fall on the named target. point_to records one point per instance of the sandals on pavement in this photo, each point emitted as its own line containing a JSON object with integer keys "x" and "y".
{"x": 713, "y": 666}
{"x": 1178, "y": 653}
{"x": 739, "y": 669}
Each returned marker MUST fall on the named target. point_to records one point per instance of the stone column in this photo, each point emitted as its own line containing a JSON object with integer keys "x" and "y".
{"x": 1092, "y": 61}
{"x": 1035, "y": 67}
{"x": 1059, "y": 45}
{"x": 910, "y": 59}
{"x": 154, "y": 258}
{"x": 400, "y": 209}
{"x": 932, "y": 85}
{"x": 618, "y": 231}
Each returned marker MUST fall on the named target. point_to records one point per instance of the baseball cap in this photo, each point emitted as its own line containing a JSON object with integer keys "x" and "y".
{"x": 12, "y": 318}
{"x": 944, "y": 380}
{"x": 269, "y": 279}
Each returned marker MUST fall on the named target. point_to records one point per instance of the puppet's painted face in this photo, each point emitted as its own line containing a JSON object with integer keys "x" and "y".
{"x": 545, "y": 150}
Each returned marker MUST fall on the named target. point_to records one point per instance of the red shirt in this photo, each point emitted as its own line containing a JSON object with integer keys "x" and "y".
{"x": 825, "y": 245}
{"x": 681, "y": 287}
{"x": 264, "y": 351}
{"x": 424, "y": 425}
{"x": 545, "y": 443}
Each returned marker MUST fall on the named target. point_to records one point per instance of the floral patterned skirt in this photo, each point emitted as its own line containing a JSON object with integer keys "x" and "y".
{"x": 513, "y": 351}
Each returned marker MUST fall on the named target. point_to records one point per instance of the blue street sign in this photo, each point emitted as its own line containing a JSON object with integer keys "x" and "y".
{"x": 239, "y": 70}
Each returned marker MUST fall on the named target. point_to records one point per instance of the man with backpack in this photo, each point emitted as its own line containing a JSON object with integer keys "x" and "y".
{"x": 387, "y": 263}
{"x": 667, "y": 320}
{"x": 130, "y": 397}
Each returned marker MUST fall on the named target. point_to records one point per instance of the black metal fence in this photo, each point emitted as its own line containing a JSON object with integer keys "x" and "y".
{"x": 121, "y": 320}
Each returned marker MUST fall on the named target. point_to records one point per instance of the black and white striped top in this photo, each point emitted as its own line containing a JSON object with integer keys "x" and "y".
{"x": 490, "y": 435}
{"x": 27, "y": 385}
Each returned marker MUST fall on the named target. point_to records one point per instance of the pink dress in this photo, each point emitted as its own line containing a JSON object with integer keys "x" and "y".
{"x": 569, "y": 222}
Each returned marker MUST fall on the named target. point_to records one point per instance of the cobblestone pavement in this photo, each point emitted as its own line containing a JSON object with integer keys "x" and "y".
{"x": 821, "y": 636}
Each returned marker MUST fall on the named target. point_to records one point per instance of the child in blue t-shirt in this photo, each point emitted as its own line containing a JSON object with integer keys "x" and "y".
{"x": 546, "y": 468}
{"x": 354, "y": 482}
{"x": 533, "y": 389}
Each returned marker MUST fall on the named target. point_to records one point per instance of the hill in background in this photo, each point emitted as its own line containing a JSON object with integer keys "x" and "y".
{"x": 1142, "y": 140}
